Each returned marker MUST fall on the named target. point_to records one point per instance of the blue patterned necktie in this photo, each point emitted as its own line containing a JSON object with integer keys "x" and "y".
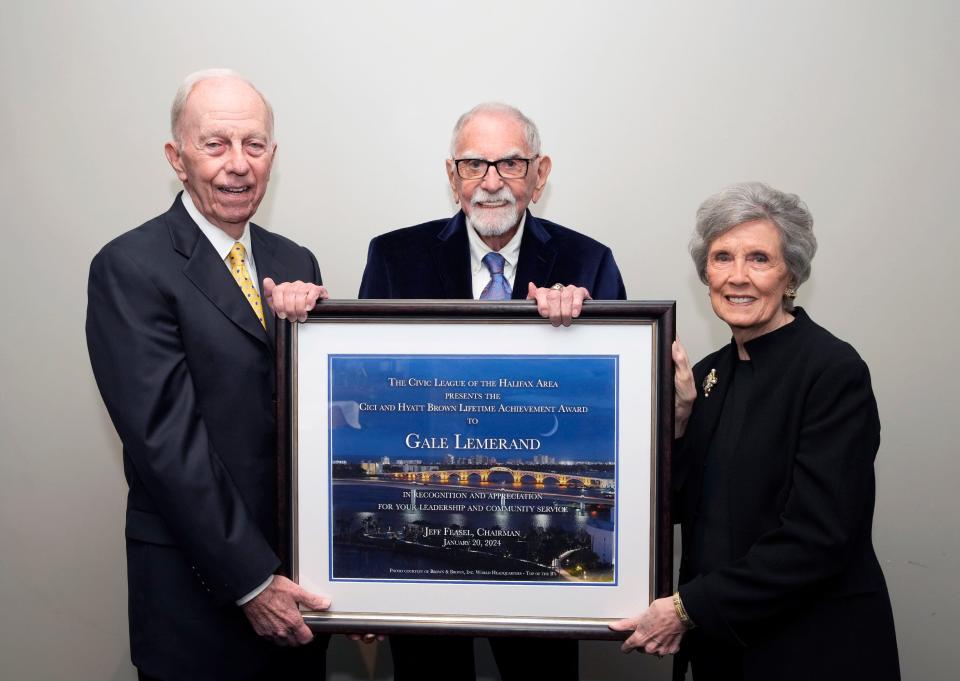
{"x": 498, "y": 288}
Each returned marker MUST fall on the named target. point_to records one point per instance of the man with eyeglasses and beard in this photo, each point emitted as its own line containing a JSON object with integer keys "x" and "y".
{"x": 492, "y": 249}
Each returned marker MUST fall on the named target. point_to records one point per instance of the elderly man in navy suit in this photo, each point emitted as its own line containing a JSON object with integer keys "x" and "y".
{"x": 495, "y": 170}
{"x": 183, "y": 356}
{"x": 492, "y": 249}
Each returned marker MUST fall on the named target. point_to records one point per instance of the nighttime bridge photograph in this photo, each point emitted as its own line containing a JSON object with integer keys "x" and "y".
{"x": 490, "y": 523}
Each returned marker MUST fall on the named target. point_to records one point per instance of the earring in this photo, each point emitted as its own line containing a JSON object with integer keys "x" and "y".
{"x": 790, "y": 292}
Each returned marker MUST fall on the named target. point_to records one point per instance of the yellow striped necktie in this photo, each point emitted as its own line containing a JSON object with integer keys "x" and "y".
{"x": 237, "y": 257}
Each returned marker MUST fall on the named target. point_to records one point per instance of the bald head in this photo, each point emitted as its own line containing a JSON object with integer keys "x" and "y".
{"x": 502, "y": 111}
{"x": 191, "y": 82}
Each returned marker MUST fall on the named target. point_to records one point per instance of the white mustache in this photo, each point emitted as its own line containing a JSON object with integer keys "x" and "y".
{"x": 483, "y": 196}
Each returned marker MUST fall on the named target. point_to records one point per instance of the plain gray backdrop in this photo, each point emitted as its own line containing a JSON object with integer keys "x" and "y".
{"x": 646, "y": 108}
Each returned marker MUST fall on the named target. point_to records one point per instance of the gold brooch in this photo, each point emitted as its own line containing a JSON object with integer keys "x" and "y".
{"x": 709, "y": 382}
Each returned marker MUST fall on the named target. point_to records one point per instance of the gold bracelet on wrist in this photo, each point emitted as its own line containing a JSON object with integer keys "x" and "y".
{"x": 682, "y": 611}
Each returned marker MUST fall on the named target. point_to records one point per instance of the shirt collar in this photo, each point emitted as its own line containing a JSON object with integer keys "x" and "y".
{"x": 510, "y": 252}
{"x": 220, "y": 240}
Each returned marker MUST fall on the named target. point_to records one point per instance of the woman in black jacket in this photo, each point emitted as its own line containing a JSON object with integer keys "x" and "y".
{"x": 773, "y": 472}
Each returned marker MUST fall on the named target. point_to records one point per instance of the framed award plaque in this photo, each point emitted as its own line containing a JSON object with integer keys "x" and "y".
{"x": 465, "y": 467}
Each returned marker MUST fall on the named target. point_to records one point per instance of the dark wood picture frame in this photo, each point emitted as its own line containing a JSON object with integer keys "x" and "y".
{"x": 660, "y": 314}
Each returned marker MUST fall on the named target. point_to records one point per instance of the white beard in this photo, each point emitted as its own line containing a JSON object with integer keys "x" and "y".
{"x": 493, "y": 221}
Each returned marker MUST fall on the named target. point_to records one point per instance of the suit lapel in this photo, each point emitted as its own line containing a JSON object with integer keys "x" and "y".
{"x": 208, "y": 273}
{"x": 268, "y": 265}
{"x": 536, "y": 260}
{"x": 451, "y": 259}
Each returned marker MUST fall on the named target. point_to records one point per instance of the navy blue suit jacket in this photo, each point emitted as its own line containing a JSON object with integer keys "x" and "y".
{"x": 432, "y": 260}
{"x": 187, "y": 375}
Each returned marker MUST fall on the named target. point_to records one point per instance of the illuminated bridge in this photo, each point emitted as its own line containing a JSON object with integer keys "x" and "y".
{"x": 463, "y": 476}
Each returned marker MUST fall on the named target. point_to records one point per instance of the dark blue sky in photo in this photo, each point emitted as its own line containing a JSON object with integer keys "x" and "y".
{"x": 585, "y": 381}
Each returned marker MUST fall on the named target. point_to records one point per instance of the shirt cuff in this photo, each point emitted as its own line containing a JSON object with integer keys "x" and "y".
{"x": 256, "y": 592}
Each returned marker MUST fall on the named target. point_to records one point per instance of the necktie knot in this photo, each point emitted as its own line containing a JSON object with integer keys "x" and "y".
{"x": 494, "y": 262}
{"x": 498, "y": 288}
{"x": 237, "y": 255}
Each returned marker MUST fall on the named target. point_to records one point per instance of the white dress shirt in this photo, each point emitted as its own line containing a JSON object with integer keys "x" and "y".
{"x": 221, "y": 241}
{"x": 510, "y": 253}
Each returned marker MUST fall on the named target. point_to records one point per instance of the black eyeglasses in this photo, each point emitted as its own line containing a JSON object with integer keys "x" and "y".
{"x": 508, "y": 168}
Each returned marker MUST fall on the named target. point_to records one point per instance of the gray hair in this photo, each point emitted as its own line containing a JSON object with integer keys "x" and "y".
{"x": 748, "y": 201}
{"x": 191, "y": 81}
{"x": 530, "y": 132}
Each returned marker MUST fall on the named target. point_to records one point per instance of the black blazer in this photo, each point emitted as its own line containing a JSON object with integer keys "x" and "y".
{"x": 432, "y": 260}
{"x": 806, "y": 599}
{"x": 187, "y": 375}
